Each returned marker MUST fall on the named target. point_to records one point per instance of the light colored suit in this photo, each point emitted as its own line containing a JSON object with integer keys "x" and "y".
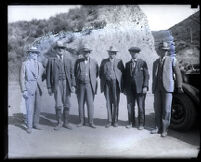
{"x": 31, "y": 81}
{"x": 163, "y": 88}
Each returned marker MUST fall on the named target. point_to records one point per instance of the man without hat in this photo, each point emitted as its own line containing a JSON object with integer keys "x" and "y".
{"x": 164, "y": 69}
{"x": 30, "y": 83}
{"x": 136, "y": 85}
{"x": 86, "y": 73}
{"x": 61, "y": 83}
{"x": 111, "y": 71}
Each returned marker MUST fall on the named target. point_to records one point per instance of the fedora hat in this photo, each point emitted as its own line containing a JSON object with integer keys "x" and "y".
{"x": 112, "y": 49}
{"x": 165, "y": 46}
{"x": 33, "y": 49}
{"x": 134, "y": 49}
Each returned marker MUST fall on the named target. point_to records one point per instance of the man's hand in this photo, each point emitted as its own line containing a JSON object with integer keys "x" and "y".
{"x": 73, "y": 89}
{"x": 25, "y": 94}
{"x": 144, "y": 90}
{"x": 50, "y": 91}
{"x": 180, "y": 90}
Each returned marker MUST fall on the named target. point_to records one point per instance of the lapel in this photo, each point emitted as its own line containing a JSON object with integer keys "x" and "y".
{"x": 130, "y": 68}
{"x": 156, "y": 66}
{"x": 32, "y": 68}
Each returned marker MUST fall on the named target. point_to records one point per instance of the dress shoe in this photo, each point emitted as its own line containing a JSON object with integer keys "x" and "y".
{"x": 58, "y": 126}
{"x": 68, "y": 126}
{"x": 37, "y": 127}
{"x": 29, "y": 130}
{"x": 155, "y": 131}
{"x": 115, "y": 124}
{"x": 129, "y": 126}
{"x": 80, "y": 125}
{"x": 108, "y": 125}
{"x": 140, "y": 127}
{"x": 92, "y": 125}
{"x": 163, "y": 134}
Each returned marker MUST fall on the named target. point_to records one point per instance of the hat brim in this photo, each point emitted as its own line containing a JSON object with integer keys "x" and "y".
{"x": 33, "y": 51}
{"x": 112, "y": 51}
{"x": 165, "y": 48}
{"x": 134, "y": 51}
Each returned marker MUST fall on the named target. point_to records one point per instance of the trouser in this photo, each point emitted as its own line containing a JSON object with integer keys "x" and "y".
{"x": 62, "y": 99}
{"x": 112, "y": 95}
{"x": 162, "y": 108}
{"x": 85, "y": 94}
{"x": 33, "y": 109}
{"x": 140, "y": 98}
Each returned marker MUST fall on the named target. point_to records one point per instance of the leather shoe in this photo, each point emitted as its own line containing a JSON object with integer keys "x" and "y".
{"x": 129, "y": 126}
{"x": 115, "y": 124}
{"x": 80, "y": 125}
{"x": 164, "y": 134}
{"x": 108, "y": 125}
{"x": 155, "y": 131}
{"x": 68, "y": 126}
{"x": 29, "y": 130}
{"x": 92, "y": 125}
{"x": 37, "y": 127}
{"x": 140, "y": 127}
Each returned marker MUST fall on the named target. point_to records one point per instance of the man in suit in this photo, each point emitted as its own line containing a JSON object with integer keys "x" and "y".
{"x": 111, "y": 70}
{"x": 136, "y": 84}
{"x": 164, "y": 70}
{"x": 30, "y": 83}
{"x": 61, "y": 82}
{"x": 86, "y": 73}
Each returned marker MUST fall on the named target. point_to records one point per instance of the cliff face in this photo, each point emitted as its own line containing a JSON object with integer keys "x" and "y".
{"x": 121, "y": 26}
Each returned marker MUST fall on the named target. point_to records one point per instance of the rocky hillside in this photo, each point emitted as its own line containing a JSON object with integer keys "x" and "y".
{"x": 121, "y": 26}
{"x": 187, "y": 40}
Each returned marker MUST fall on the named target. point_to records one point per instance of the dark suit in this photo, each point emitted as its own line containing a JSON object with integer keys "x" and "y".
{"x": 136, "y": 77}
{"x": 112, "y": 85}
{"x": 163, "y": 87}
{"x": 86, "y": 85}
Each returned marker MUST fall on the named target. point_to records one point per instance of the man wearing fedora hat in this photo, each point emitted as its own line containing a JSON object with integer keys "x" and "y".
{"x": 111, "y": 70}
{"x": 86, "y": 73}
{"x": 136, "y": 85}
{"x": 163, "y": 85}
{"x": 30, "y": 83}
{"x": 61, "y": 83}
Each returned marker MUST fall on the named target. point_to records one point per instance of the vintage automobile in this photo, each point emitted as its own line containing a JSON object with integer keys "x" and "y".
{"x": 186, "y": 106}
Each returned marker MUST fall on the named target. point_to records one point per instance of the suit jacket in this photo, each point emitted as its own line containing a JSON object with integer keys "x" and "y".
{"x": 52, "y": 72}
{"x": 93, "y": 72}
{"x": 140, "y": 76}
{"x": 170, "y": 71}
{"x": 31, "y": 78}
{"x": 118, "y": 69}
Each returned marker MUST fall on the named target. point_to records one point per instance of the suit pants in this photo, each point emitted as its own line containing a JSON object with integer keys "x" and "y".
{"x": 62, "y": 95}
{"x": 162, "y": 108}
{"x": 140, "y": 98}
{"x": 33, "y": 109}
{"x": 85, "y": 94}
{"x": 112, "y": 95}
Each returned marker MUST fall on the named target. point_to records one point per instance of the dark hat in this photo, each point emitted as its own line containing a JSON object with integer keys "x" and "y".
{"x": 134, "y": 49}
{"x": 112, "y": 49}
{"x": 33, "y": 49}
{"x": 85, "y": 49}
{"x": 59, "y": 44}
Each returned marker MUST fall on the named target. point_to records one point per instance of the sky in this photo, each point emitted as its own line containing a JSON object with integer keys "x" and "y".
{"x": 160, "y": 17}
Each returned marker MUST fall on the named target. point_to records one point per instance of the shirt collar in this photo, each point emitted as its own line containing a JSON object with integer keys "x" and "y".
{"x": 134, "y": 60}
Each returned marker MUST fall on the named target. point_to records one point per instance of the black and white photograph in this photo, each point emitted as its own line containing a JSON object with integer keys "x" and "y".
{"x": 103, "y": 81}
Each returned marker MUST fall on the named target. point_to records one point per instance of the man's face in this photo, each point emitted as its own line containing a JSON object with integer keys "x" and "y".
{"x": 33, "y": 55}
{"x": 60, "y": 51}
{"x": 162, "y": 52}
{"x": 133, "y": 54}
{"x": 86, "y": 54}
{"x": 112, "y": 54}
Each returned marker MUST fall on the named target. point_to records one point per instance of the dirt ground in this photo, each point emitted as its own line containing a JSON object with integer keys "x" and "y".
{"x": 87, "y": 142}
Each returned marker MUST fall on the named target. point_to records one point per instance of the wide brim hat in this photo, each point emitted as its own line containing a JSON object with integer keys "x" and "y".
{"x": 59, "y": 44}
{"x": 112, "y": 49}
{"x": 165, "y": 46}
{"x": 85, "y": 49}
{"x": 134, "y": 49}
{"x": 33, "y": 49}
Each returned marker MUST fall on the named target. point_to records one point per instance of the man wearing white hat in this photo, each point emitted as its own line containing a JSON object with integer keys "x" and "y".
{"x": 163, "y": 85}
{"x": 30, "y": 82}
{"x": 111, "y": 71}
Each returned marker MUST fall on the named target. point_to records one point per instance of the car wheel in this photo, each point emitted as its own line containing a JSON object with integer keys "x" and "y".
{"x": 183, "y": 114}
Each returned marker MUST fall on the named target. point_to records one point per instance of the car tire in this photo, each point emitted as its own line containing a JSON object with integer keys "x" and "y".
{"x": 183, "y": 114}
